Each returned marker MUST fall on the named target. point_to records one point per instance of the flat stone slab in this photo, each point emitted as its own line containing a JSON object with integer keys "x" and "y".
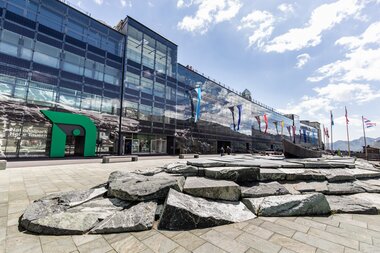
{"x": 289, "y": 205}
{"x": 373, "y": 198}
{"x": 363, "y": 174}
{"x": 181, "y": 169}
{"x": 370, "y": 185}
{"x": 236, "y": 174}
{"x": 263, "y": 190}
{"x": 303, "y": 174}
{"x": 74, "y": 198}
{"x": 267, "y": 174}
{"x": 149, "y": 171}
{"x": 137, "y": 218}
{"x": 337, "y": 175}
{"x": 348, "y": 204}
{"x": 182, "y": 211}
{"x": 343, "y": 188}
{"x": 206, "y": 163}
{"x": 133, "y": 187}
{"x": 212, "y": 189}
{"x": 64, "y": 223}
{"x": 303, "y": 187}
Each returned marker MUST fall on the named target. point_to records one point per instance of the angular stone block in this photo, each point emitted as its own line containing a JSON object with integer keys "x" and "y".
{"x": 212, "y": 189}
{"x": 206, "y": 163}
{"x": 343, "y": 188}
{"x": 181, "y": 169}
{"x": 303, "y": 174}
{"x": 348, "y": 204}
{"x": 137, "y": 218}
{"x": 236, "y": 174}
{"x": 289, "y": 205}
{"x": 182, "y": 211}
{"x": 263, "y": 189}
{"x": 272, "y": 175}
{"x": 75, "y": 198}
{"x": 133, "y": 187}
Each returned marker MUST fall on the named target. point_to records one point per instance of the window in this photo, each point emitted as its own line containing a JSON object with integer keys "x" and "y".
{"x": 46, "y": 55}
{"x": 9, "y": 43}
{"x": 73, "y": 63}
{"x": 145, "y": 112}
{"x": 158, "y": 115}
{"x": 41, "y": 93}
{"x": 69, "y": 97}
{"x": 133, "y": 81}
{"x": 112, "y": 75}
{"x": 146, "y": 85}
{"x": 51, "y": 19}
{"x": 159, "y": 90}
{"x": 131, "y": 110}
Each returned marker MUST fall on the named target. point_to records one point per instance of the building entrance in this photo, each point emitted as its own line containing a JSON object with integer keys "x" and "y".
{"x": 74, "y": 146}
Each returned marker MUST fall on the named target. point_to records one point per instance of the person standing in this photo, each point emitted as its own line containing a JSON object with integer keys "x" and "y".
{"x": 228, "y": 149}
{"x": 222, "y": 151}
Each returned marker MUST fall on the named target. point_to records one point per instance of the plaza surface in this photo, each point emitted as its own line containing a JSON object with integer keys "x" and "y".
{"x": 21, "y": 185}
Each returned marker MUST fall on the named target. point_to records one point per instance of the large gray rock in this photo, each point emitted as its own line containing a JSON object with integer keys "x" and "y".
{"x": 343, "y": 188}
{"x": 137, "y": 218}
{"x": 263, "y": 190}
{"x": 212, "y": 189}
{"x": 320, "y": 186}
{"x": 103, "y": 207}
{"x": 348, "y": 204}
{"x": 64, "y": 223}
{"x": 133, "y": 187}
{"x": 75, "y": 198}
{"x": 149, "y": 171}
{"x": 40, "y": 209}
{"x": 206, "y": 163}
{"x": 236, "y": 174}
{"x": 364, "y": 174}
{"x": 272, "y": 175}
{"x": 289, "y": 205}
{"x": 371, "y": 185}
{"x": 337, "y": 175}
{"x": 181, "y": 169}
{"x": 182, "y": 211}
{"x": 373, "y": 198}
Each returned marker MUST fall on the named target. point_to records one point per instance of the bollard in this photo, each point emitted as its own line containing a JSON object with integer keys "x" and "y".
{"x": 196, "y": 156}
{"x": 181, "y": 156}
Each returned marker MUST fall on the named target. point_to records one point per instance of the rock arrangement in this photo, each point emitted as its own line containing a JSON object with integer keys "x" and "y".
{"x": 203, "y": 193}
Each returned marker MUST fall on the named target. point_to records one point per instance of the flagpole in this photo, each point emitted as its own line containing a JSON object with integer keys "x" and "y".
{"x": 365, "y": 141}
{"x": 348, "y": 136}
{"x": 331, "y": 126}
{"x": 324, "y": 136}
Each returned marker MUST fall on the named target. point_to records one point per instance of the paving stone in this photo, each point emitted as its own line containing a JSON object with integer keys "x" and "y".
{"x": 128, "y": 243}
{"x": 260, "y": 232}
{"x": 182, "y": 211}
{"x": 208, "y": 248}
{"x": 358, "y": 229}
{"x": 276, "y": 228}
{"x": 188, "y": 240}
{"x": 289, "y": 205}
{"x": 97, "y": 246}
{"x": 272, "y": 175}
{"x": 348, "y": 204}
{"x": 159, "y": 243}
{"x": 23, "y": 244}
{"x": 292, "y": 225}
{"x": 263, "y": 189}
{"x": 133, "y": 187}
{"x": 212, "y": 189}
{"x": 82, "y": 239}
{"x": 61, "y": 245}
{"x": 137, "y": 218}
{"x": 257, "y": 243}
{"x": 229, "y": 230}
{"x": 223, "y": 242}
{"x": 291, "y": 244}
{"x": 310, "y": 223}
{"x": 354, "y": 244}
{"x": 318, "y": 242}
{"x": 236, "y": 174}
{"x": 367, "y": 248}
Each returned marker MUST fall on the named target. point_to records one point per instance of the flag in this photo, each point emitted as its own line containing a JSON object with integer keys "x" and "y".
{"x": 232, "y": 109}
{"x": 368, "y": 123}
{"x": 347, "y": 121}
{"x": 198, "y": 108}
{"x": 258, "y": 122}
{"x": 275, "y": 125}
{"x": 327, "y": 133}
{"x": 304, "y": 135}
{"x": 294, "y": 131}
{"x": 239, "y": 119}
{"x": 282, "y": 127}
{"x": 331, "y": 118}
{"x": 266, "y": 122}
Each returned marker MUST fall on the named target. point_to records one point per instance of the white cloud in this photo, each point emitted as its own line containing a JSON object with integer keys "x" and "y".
{"x": 261, "y": 22}
{"x": 123, "y": 3}
{"x": 99, "y": 2}
{"x": 323, "y": 18}
{"x": 348, "y": 92}
{"x": 302, "y": 59}
{"x": 209, "y": 12}
{"x": 361, "y": 62}
{"x": 286, "y": 8}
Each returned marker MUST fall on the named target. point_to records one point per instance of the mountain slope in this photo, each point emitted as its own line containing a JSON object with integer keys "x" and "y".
{"x": 357, "y": 145}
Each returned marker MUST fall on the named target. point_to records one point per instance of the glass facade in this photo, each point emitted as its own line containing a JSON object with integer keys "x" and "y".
{"x": 53, "y": 56}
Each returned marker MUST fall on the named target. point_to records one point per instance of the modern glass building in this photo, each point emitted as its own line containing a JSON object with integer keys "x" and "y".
{"x": 127, "y": 80}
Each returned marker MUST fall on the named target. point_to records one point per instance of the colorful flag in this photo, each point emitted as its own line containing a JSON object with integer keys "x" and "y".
{"x": 198, "y": 108}
{"x": 266, "y": 122}
{"x": 275, "y": 125}
{"x": 347, "y": 121}
{"x": 304, "y": 135}
{"x": 331, "y": 118}
{"x": 258, "y": 122}
{"x": 294, "y": 130}
{"x": 368, "y": 123}
{"x": 232, "y": 109}
{"x": 239, "y": 119}
{"x": 327, "y": 132}
{"x": 282, "y": 127}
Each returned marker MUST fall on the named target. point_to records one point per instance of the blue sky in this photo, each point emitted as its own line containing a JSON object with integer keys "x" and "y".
{"x": 302, "y": 57}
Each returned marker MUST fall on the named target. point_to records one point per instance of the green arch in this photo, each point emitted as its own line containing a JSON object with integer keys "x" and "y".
{"x": 58, "y": 138}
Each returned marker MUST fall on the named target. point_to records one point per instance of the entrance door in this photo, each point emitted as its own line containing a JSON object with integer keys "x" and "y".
{"x": 128, "y": 146}
{"x": 74, "y": 145}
